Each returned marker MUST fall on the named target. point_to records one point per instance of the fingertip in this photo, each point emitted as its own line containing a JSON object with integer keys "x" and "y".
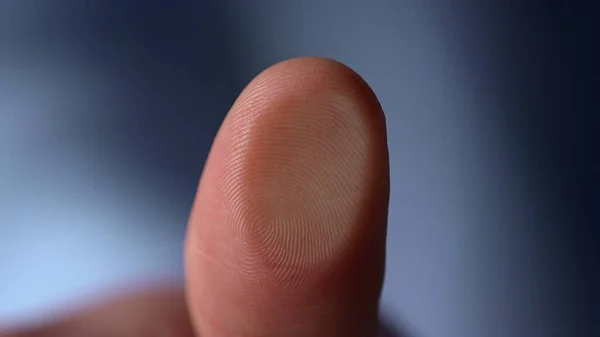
{"x": 312, "y": 78}
{"x": 287, "y": 233}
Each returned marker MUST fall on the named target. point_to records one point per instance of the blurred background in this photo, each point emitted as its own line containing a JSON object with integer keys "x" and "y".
{"x": 108, "y": 110}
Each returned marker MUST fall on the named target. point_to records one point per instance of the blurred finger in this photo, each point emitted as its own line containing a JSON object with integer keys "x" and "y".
{"x": 287, "y": 233}
{"x": 155, "y": 312}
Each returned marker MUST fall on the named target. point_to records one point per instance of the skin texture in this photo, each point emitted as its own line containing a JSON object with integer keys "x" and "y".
{"x": 287, "y": 233}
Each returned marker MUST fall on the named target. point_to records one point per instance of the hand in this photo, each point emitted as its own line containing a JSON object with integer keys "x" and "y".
{"x": 286, "y": 237}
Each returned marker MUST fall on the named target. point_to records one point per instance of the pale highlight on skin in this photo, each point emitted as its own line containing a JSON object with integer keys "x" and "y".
{"x": 287, "y": 233}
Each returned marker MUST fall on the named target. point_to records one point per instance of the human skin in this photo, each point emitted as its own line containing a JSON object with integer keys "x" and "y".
{"x": 286, "y": 236}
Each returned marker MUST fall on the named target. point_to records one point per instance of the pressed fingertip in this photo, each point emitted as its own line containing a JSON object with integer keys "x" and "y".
{"x": 298, "y": 186}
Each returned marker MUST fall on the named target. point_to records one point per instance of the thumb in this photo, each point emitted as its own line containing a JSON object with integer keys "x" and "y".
{"x": 287, "y": 233}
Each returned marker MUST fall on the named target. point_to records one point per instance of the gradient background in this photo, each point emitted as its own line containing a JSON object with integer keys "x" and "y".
{"x": 108, "y": 110}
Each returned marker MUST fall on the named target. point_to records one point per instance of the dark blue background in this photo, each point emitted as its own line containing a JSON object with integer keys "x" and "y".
{"x": 108, "y": 110}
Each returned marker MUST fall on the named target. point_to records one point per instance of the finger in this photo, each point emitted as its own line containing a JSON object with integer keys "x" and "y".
{"x": 287, "y": 233}
{"x": 155, "y": 312}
